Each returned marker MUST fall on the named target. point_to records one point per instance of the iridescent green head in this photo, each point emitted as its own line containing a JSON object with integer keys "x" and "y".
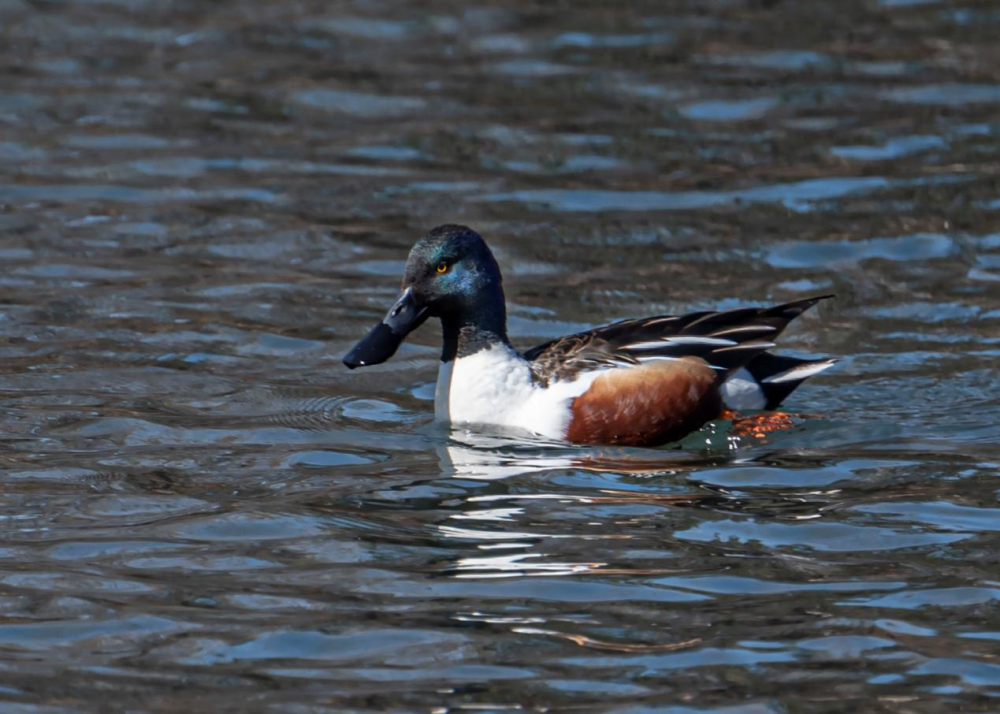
{"x": 450, "y": 274}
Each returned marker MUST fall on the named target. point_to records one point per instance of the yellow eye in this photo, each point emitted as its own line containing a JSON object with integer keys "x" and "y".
{"x": 443, "y": 266}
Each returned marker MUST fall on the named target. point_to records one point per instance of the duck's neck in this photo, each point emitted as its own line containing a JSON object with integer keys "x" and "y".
{"x": 470, "y": 331}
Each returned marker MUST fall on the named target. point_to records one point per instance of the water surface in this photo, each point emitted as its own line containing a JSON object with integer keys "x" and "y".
{"x": 202, "y": 206}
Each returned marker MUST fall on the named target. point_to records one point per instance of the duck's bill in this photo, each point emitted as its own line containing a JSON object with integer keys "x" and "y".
{"x": 384, "y": 339}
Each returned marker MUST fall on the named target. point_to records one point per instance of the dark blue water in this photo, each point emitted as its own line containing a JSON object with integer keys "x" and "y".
{"x": 202, "y": 206}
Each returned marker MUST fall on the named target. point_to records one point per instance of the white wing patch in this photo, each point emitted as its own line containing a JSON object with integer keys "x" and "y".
{"x": 763, "y": 329}
{"x": 799, "y": 372}
{"x": 681, "y": 340}
{"x": 758, "y": 346}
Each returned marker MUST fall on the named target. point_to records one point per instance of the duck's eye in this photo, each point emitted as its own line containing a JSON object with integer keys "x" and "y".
{"x": 443, "y": 267}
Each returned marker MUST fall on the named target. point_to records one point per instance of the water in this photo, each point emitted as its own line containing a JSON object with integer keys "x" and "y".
{"x": 205, "y": 205}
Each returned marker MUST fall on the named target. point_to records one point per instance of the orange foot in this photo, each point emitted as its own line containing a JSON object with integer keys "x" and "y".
{"x": 759, "y": 426}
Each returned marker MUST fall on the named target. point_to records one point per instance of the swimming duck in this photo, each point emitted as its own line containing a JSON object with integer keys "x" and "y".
{"x": 645, "y": 381}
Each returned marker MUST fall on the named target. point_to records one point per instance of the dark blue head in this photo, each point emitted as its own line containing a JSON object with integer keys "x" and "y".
{"x": 450, "y": 274}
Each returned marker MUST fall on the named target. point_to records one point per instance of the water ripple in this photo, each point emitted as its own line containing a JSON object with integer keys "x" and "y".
{"x": 202, "y": 210}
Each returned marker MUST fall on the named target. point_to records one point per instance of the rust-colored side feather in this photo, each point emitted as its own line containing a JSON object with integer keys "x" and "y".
{"x": 646, "y": 405}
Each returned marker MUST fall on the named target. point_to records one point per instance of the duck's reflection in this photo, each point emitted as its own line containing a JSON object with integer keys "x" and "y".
{"x": 502, "y": 527}
{"x": 492, "y": 456}
{"x": 546, "y": 503}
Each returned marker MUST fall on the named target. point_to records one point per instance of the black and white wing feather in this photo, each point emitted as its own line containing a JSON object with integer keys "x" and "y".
{"x": 726, "y": 340}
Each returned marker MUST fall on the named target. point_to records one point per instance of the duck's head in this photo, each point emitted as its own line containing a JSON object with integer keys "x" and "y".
{"x": 450, "y": 274}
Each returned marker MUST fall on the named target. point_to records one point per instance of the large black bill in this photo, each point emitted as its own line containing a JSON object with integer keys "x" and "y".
{"x": 384, "y": 339}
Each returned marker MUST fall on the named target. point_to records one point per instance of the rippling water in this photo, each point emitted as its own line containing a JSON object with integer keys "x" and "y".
{"x": 202, "y": 205}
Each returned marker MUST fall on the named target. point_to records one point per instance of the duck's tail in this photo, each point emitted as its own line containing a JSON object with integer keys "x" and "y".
{"x": 767, "y": 380}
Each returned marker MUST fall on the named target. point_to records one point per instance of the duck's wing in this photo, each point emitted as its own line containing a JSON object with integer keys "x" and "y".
{"x": 725, "y": 340}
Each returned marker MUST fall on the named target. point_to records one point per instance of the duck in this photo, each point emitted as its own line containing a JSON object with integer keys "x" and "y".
{"x": 643, "y": 381}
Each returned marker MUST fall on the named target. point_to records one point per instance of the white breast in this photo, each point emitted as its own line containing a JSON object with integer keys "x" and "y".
{"x": 495, "y": 386}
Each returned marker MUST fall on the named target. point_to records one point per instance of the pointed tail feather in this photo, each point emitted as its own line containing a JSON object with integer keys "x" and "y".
{"x": 768, "y": 379}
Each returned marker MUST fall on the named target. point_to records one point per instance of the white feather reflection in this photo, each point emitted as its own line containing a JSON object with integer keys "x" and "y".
{"x": 485, "y": 521}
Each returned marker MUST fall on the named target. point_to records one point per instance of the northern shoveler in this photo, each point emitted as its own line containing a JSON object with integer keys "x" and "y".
{"x": 645, "y": 381}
